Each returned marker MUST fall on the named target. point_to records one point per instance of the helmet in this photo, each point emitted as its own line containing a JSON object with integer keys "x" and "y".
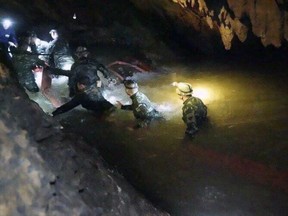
{"x": 184, "y": 89}
{"x": 131, "y": 87}
{"x": 81, "y": 51}
{"x": 52, "y": 31}
{"x": 130, "y": 84}
{"x": 6, "y": 23}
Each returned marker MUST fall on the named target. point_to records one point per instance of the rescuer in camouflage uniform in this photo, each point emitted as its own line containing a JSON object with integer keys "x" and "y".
{"x": 194, "y": 110}
{"x": 58, "y": 52}
{"x": 23, "y": 64}
{"x": 38, "y": 46}
{"x": 141, "y": 106}
{"x": 83, "y": 66}
{"x": 89, "y": 96}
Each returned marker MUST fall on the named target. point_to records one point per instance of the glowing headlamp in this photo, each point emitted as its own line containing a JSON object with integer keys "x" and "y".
{"x": 203, "y": 92}
{"x": 174, "y": 84}
{"x": 7, "y": 23}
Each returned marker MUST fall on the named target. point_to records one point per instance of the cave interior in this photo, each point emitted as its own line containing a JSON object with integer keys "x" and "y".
{"x": 78, "y": 163}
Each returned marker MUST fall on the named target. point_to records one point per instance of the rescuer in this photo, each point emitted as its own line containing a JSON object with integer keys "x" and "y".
{"x": 194, "y": 110}
{"x": 84, "y": 66}
{"x": 141, "y": 106}
{"x": 89, "y": 96}
{"x": 58, "y": 52}
{"x": 23, "y": 62}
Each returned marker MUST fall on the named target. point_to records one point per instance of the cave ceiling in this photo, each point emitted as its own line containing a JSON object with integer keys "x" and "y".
{"x": 232, "y": 19}
{"x": 199, "y": 20}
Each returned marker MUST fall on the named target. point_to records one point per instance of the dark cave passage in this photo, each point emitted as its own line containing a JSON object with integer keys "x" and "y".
{"x": 235, "y": 165}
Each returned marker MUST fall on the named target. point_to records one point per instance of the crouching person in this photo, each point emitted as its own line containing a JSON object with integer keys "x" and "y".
{"x": 141, "y": 106}
{"x": 89, "y": 96}
{"x": 194, "y": 110}
{"x": 23, "y": 63}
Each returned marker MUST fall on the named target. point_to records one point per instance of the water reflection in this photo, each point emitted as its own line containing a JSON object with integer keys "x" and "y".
{"x": 237, "y": 163}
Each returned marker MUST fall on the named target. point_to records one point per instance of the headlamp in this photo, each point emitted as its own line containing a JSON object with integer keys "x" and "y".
{"x": 7, "y": 23}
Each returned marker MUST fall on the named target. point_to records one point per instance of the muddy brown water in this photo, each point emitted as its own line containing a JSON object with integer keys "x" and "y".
{"x": 236, "y": 165}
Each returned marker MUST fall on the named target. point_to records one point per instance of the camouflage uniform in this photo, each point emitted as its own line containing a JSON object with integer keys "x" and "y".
{"x": 91, "y": 99}
{"x": 142, "y": 109}
{"x": 23, "y": 63}
{"x": 194, "y": 112}
{"x": 40, "y": 49}
{"x": 87, "y": 67}
{"x": 59, "y": 54}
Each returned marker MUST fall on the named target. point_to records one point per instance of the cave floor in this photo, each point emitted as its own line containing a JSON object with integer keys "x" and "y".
{"x": 237, "y": 164}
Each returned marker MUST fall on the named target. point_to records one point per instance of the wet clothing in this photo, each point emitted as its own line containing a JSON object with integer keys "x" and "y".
{"x": 194, "y": 112}
{"x": 23, "y": 63}
{"x": 83, "y": 67}
{"x": 142, "y": 109}
{"x": 40, "y": 48}
{"x": 59, "y": 54}
{"x": 91, "y": 99}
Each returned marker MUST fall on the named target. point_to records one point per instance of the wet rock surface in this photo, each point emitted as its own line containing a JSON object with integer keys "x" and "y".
{"x": 232, "y": 20}
{"x": 46, "y": 172}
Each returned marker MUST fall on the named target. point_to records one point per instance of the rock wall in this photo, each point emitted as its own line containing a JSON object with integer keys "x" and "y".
{"x": 267, "y": 19}
{"x": 232, "y": 19}
{"x": 204, "y": 22}
{"x": 46, "y": 172}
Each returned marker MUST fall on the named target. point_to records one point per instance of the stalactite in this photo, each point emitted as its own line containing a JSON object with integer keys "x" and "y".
{"x": 265, "y": 17}
{"x": 269, "y": 21}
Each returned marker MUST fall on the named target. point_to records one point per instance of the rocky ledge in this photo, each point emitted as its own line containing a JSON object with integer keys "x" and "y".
{"x": 46, "y": 172}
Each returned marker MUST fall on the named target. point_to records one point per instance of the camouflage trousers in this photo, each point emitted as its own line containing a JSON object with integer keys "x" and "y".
{"x": 27, "y": 80}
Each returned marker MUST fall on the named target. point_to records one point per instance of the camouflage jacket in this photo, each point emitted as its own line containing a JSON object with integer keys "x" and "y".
{"x": 84, "y": 67}
{"x": 23, "y": 63}
{"x": 59, "y": 55}
{"x": 91, "y": 99}
{"x": 194, "y": 111}
{"x": 141, "y": 107}
{"x": 88, "y": 66}
{"x": 40, "y": 48}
